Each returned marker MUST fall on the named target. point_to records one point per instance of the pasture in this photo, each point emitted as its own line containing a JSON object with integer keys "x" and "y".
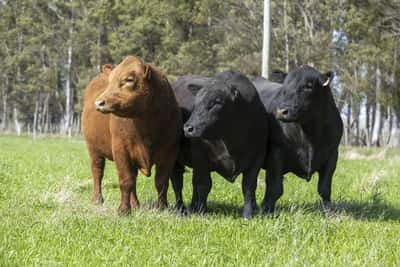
{"x": 47, "y": 218}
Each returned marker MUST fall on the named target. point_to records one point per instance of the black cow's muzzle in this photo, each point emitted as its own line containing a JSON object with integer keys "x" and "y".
{"x": 285, "y": 114}
{"x": 190, "y": 131}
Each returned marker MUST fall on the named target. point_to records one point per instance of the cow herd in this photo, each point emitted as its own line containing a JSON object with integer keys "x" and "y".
{"x": 224, "y": 123}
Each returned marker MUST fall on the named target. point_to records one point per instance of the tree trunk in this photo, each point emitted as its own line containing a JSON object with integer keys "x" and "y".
{"x": 389, "y": 125}
{"x": 368, "y": 122}
{"x": 4, "y": 116}
{"x": 285, "y": 25}
{"x": 357, "y": 128}
{"x": 68, "y": 88}
{"x": 348, "y": 123}
{"x": 266, "y": 39}
{"x": 395, "y": 135}
{"x": 45, "y": 114}
{"x": 99, "y": 47}
{"x": 17, "y": 124}
{"x": 35, "y": 117}
{"x": 356, "y": 112}
{"x": 377, "y": 129}
{"x": 395, "y": 130}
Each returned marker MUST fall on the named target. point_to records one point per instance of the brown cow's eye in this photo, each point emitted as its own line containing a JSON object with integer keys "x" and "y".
{"x": 129, "y": 80}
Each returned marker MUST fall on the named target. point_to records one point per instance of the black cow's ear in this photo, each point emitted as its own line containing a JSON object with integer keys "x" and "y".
{"x": 278, "y": 76}
{"x": 234, "y": 92}
{"x": 326, "y": 78}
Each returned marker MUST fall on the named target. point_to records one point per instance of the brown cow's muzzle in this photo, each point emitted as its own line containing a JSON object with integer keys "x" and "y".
{"x": 100, "y": 106}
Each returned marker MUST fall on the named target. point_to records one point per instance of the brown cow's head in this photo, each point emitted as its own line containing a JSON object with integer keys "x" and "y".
{"x": 128, "y": 92}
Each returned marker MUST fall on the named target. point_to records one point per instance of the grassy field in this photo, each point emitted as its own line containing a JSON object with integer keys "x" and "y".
{"x": 47, "y": 219}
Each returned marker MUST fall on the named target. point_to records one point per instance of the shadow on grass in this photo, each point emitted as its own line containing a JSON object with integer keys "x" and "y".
{"x": 364, "y": 210}
{"x": 224, "y": 209}
{"x": 360, "y": 210}
{"x": 355, "y": 209}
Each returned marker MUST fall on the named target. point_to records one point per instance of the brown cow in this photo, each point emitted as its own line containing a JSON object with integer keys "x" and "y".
{"x": 139, "y": 124}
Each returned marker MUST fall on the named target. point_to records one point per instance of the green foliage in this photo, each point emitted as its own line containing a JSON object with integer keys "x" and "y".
{"x": 46, "y": 217}
{"x": 350, "y": 37}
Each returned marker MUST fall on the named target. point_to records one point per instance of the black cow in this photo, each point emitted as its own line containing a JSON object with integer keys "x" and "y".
{"x": 223, "y": 133}
{"x": 305, "y": 130}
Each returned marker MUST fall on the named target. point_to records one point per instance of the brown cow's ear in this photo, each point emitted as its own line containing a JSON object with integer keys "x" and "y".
{"x": 147, "y": 71}
{"x": 107, "y": 68}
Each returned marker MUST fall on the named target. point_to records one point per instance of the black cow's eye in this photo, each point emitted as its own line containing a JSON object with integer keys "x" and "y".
{"x": 308, "y": 90}
{"x": 218, "y": 101}
{"x": 308, "y": 87}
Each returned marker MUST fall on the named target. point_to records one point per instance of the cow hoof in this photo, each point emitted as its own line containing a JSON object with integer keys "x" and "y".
{"x": 162, "y": 206}
{"x": 135, "y": 205}
{"x": 248, "y": 212}
{"x": 268, "y": 211}
{"x": 124, "y": 211}
{"x": 201, "y": 209}
{"x": 98, "y": 200}
{"x": 247, "y": 215}
{"x": 181, "y": 209}
{"x": 194, "y": 207}
{"x": 327, "y": 206}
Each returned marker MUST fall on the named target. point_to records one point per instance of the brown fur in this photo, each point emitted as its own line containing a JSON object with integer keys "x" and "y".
{"x": 139, "y": 125}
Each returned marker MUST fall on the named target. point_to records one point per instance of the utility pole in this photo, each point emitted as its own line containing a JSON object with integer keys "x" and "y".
{"x": 266, "y": 39}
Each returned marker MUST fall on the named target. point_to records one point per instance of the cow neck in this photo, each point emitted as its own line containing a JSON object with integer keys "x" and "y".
{"x": 231, "y": 141}
{"x": 158, "y": 110}
{"x": 312, "y": 129}
{"x": 148, "y": 123}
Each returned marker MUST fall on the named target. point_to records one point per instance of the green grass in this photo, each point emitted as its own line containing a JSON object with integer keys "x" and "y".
{"x": 47, "y": 219}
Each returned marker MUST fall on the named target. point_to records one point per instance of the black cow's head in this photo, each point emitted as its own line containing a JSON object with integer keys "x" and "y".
{"x": 213, "y": 103}
{"x": 303, "y": 92}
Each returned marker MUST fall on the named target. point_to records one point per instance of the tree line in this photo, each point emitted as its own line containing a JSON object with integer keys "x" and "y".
{"x": 50, "y": 50}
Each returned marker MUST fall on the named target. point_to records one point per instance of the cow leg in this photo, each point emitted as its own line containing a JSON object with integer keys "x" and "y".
{"x": 163, "y": 171}
{"x": 194, "y": 206}
{"x": 274, "y": 182}
{"x": 127, "y": 183}
{"x": 202, "y": 185}
{"x": 273, "y": 191}
{"x": 325, "y": 180}
{"x": 133, "y": 199}
{"x": 201, "y": 179}
{"x": 249, "y": 186}
{"x": 97, "y": 163}
{"x": 177, "y": 184}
